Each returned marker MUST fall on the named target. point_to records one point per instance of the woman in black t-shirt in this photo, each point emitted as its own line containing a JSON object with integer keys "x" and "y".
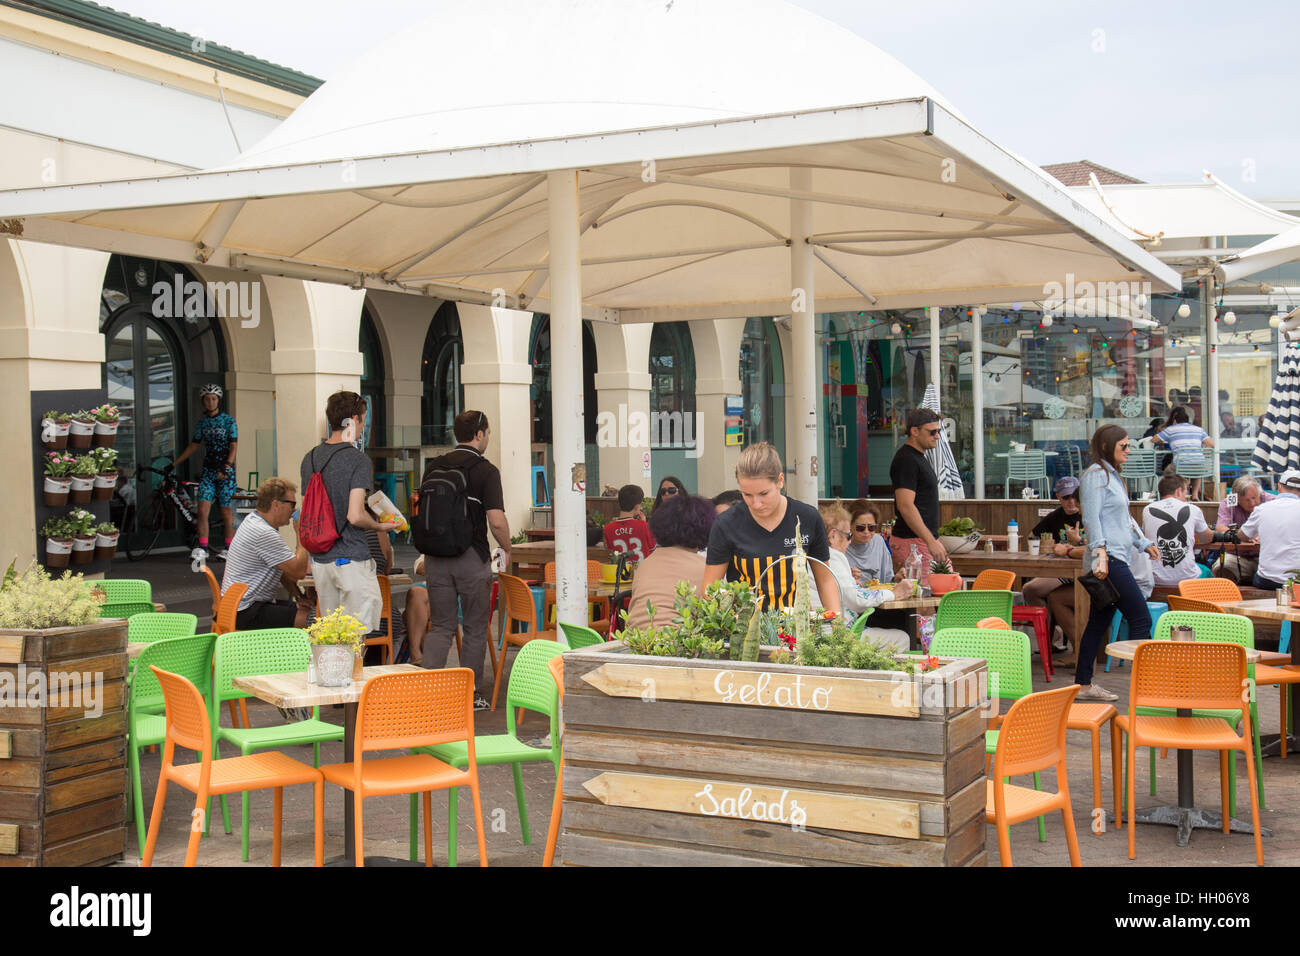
{"x": 748, "y": 543}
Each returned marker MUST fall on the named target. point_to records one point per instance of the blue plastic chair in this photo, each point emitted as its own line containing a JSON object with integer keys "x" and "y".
{"x": 1119, "y": 626}
{"x": 541, "y": 492}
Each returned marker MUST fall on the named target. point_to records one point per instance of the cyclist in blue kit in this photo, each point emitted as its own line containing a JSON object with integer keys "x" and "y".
{"x": 219, "y": 435}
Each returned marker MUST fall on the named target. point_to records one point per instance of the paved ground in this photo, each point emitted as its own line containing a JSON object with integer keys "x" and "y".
{"x": 386, "y": 817}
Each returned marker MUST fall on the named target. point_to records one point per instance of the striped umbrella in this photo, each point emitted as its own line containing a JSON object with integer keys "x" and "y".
{"x": 1278, "y": 445}
{"x": 940, "y": 456}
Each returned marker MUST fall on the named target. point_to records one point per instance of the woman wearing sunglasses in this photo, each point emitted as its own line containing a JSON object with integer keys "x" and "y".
{"x": 867, "y": 553}
{"x": 1110, "y": 533}
{"x": 667, "y": 488}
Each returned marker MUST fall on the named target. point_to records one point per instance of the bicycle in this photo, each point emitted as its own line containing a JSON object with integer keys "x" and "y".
{"x": 171, "y": 505}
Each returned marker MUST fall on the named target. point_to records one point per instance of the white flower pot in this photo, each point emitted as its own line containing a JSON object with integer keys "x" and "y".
{"x": 104, "y": 486}
{"x": 332, "y": 664}
{"x": 54, "y": 434}
{"x": 56, "y": 491}
{"x": 80, "y": 434}
{"x": 58, "y": 552}
{"x": 82, "y": 488}
{"x": 105, "y": 434}
{"x": 105, "y": 546}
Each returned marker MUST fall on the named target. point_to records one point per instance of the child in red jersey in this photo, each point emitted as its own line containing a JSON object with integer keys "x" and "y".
{"x": 629, "y": 531}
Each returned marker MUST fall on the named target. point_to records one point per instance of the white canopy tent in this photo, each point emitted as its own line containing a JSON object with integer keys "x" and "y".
{"x": 637, "y": 170}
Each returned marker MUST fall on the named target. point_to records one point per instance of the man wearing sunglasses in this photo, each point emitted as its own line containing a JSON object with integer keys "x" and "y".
{"x": 916, "y": 493}
{"x": 259, "y": 558}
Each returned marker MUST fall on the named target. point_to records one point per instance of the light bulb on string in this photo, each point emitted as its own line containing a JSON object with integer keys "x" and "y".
{"x": 1274, "y": 321}
{"x": 1184, "y": 310}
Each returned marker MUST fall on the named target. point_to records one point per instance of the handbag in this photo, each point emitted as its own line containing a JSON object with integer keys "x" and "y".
{"x": 1100, "y": 590}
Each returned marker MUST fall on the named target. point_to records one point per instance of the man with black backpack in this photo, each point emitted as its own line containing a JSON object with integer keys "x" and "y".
{"x": 333, "y": 519}
{"x": 460, "y": 496}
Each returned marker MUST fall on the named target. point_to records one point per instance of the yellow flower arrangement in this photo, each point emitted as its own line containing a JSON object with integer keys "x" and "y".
{"x": 338, "y": 627}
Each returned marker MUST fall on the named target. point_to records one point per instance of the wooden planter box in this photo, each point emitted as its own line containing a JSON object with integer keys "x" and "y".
{"x": 674, "y": 762}
{"x": 63, "y": 774}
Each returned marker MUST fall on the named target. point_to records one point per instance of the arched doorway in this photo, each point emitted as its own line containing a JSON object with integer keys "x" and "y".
{"x": 674, "y": 429}
{"x": 762, "y": 384}
{"x": 162, "y": 342}
{"x": 372, "y": 383}
{"x": 444, "y": 393}
{"x": 539, "y": 356}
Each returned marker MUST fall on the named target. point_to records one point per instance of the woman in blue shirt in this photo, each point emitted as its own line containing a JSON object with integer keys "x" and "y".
{"x": 1110, "y": 533}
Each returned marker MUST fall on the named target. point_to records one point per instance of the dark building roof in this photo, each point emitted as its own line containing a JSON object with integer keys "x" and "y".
{"x": 1076, "y": 173}
{"x": 123, "y": 26}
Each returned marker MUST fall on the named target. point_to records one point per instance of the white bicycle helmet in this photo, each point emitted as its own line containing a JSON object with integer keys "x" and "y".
{"x": 211, "y": 389}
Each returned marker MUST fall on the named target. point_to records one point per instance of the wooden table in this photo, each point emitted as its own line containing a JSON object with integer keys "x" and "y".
{"x": 593, "y": 589}
{"x": 1026, "y": 566}
{"x": 1186, "y": 816}
{"x": 543, "y": 552}
{"x": 911, "y": 604}
{"x": 292, "y": 690}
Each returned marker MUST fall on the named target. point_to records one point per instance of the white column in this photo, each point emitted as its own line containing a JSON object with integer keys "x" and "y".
{"x": 623, "y": 403}
{"x": 802, "y": 444}
{"x": 568, "y": 499}
{"x": 933, "y": 313}
{"x": 717, "y": 375}
{"x": 977, "y": 397}
{"x": 1212, "y": 381}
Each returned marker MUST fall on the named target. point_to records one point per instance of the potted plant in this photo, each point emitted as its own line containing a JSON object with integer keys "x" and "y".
{"x": 942, "y": 578}
{"x": 106, "y": 535}
{"x": 959, "y": 535}
{"x": 337, "y": 647}
{"x": 105, "y": 425}
{"x": 83, "y": 535}
{"x": 54, "y": 429}
{"x": 105, "y": 472}
{"x": 81, "y": 429}
{"x": 1292, "y": 586}
{"x": 58, "y": 477}
{"x": 57, "y": 533}
{"x": 83, "y": 472}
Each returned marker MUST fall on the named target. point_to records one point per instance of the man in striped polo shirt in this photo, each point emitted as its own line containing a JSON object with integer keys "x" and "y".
{"x": 259, "y": 558}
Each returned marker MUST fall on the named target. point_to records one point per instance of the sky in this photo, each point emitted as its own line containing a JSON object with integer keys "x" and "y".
{"x": 1157, "y": 89}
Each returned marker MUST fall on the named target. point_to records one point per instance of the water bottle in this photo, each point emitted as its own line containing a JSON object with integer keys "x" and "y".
{"x": 912, "y": 567}
{"x": 1013, "y": 536}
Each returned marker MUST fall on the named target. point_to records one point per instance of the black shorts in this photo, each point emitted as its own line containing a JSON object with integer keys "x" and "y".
{"x": 263, "y": 614}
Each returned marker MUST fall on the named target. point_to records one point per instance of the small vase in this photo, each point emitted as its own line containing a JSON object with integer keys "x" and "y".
{"x": 105, "y": 434}
{"x": 80, "y": 433}
{"x": 943, "y": 583}
{"x": 105, "y": 484}
{"x": 105, "y": 546}
{"x": 58, "y": 552}
{"x": 333, "y": 664}
{"x": 56, "y": 491}
{"x": 83, "y": 486}
{"x": 54, "y": 435}
{"x": 83, "y": 549}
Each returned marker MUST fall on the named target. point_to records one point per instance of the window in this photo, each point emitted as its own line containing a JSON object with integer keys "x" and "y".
{"x": 672, "y": 386}
{"x": 444, "y": 394}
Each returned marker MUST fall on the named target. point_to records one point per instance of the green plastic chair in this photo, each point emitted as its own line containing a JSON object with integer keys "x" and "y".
{"x": 1007, "y": 655}
{"x": 126, "y": 590}
{"x": 156, "y": 625}
{"x": 580, "y": 636}
{"x": 189, "y": 656}
{"x": 860, "y": 624}
{"x": 968, "y": 608}
{"x": 277, "y": 650}
{"x": 531, "y": 687}
{"x": 1223, "y": 628}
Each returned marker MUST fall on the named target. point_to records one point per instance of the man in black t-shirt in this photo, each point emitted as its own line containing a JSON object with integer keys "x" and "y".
{"x": 468, "y": 576}
{"x": 916, "y": 493}
{"x": 1068, "y": 517}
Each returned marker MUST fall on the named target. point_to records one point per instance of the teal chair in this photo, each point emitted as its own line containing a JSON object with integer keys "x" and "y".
{"x": 531, "y": 687}
{"x": 1007, "y": 655}
{"x": 968, "y": 608}
{"x": 283, "y": 650}
{"x": 578, "y": 636}
{"x": 191, "y": 657}
{"x": 1119, "y": 628}
{"x": 1223, "y": 628}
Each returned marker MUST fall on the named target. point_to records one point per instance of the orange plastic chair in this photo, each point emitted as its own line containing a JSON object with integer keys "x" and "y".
{"x": 1209, "y": 589}
{"x": 556, "y": 666}
{"x": 386, "y": 613}
{"x": 1178, "y": 602}
{"x": 1032, "y": 738}
{"x": 519, "y": 609}
{"x": 223, "y": 622}
{"x": 214, "y": 586}
{"x": 994, "y": 623}
{"x": 401, "y": 712}
{"x": 593, "y": 577}
{"x": 1193, "y": 675}
{"x": 991, "y": 579}
{"x": 187, "y": 725}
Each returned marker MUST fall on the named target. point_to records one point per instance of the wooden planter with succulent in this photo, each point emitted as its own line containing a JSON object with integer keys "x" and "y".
{"x": 942, "y": 577}
{"x": 54, "y": 429}
{"x": 63, "y": 777}
{"x": 736, "y": 737}
{"x": 337, "y": 649}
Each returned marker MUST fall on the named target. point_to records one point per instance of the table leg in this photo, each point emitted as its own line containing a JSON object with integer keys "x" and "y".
{"x": 349, "y": 798}
{"x": 1082, "y": 608}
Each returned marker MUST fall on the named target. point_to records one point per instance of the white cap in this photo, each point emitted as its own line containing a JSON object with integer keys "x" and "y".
{"x": 1290, "y": 477}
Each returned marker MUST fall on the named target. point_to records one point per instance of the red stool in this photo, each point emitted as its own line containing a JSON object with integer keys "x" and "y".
{"x": 1037, "y": 616}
